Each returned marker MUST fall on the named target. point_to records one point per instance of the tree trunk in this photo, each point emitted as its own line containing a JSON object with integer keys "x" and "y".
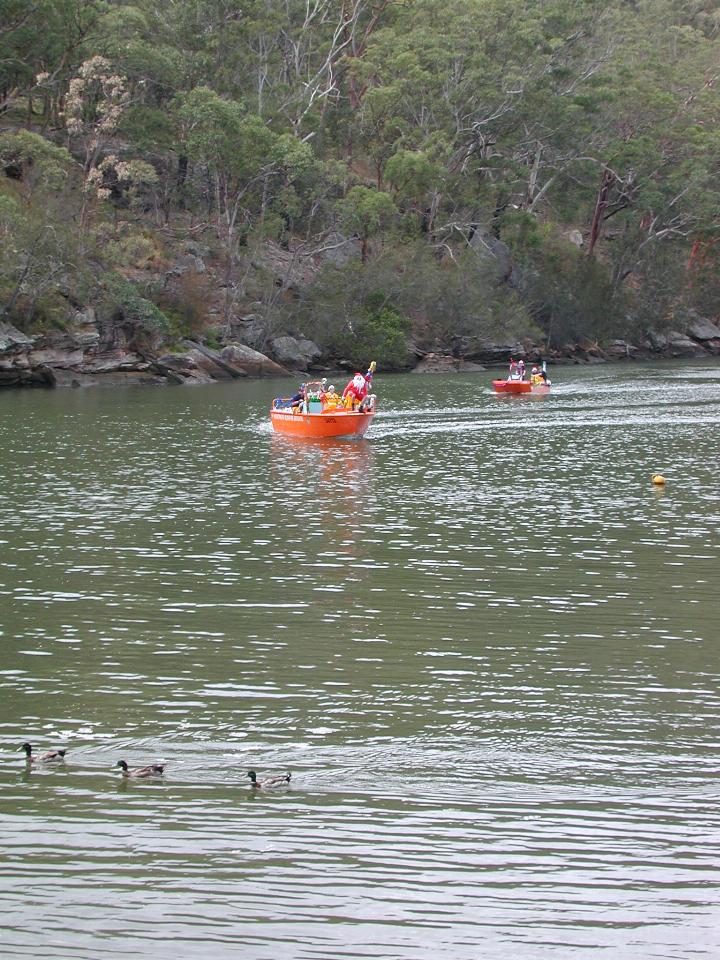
{"x": 532, "y": 183}
{"x": 182, "y": 172}
{"x": 600, "y": 205}
{"x": 500, "y": 206}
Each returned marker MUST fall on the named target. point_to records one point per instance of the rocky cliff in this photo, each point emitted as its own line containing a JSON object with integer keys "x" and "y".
{"x": 87, "y": 353}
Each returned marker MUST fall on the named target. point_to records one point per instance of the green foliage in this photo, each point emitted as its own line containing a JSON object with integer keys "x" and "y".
{"x": 366, "y": 212}
{"x": 411, "y": 174}
{"x": 380, "y": 332}
{"x": 33, "y": 161}
{"x": 131, "y": 250}
{"x": 121, "y": 297}
{"x": 10, "y": 217}
{"x": 569, "y": 294}
{"x": 222, "y": 135}
{"x": 410, "y": 294}
{"x": 39, "y": 254}
{"x": 523, "y": 232}
{"x": 292, "y": 156}
{"x": 701, "y": 285}
{"x": 458, "y": 296}
{"x": 415, "y": 127}
{"x": 185, "y": 304}
{"x": 47, "y": 311}
{"x": 148, "y": 128}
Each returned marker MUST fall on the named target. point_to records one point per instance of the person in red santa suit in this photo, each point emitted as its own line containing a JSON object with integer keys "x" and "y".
{"x": 357, "y": 389}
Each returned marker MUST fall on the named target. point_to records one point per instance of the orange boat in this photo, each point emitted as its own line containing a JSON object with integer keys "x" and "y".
{"x": 315, "y": 421}
{"x": 519, "y": 386}
{"x": 515, "y": 383}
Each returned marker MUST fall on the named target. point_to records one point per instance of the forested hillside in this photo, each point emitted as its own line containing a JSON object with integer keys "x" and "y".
{"x": 378, "y": 176}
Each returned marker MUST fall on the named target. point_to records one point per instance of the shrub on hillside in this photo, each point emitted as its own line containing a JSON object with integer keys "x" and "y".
{"x": 380, "y": 334}
{"x": 123, "y": 301}
{"x": 568, "y": 294}
{"x": 185, "y": 304}
{"x": 410, "y": 294}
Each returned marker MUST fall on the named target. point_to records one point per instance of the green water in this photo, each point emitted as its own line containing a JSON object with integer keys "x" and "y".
{"x": 483, "y": 643}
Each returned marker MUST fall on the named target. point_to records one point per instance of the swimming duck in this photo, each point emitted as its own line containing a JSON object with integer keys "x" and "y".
{"x": 49, "y": 757}
{"x": 280, "y": 781}
{"x": 153, "y": 770}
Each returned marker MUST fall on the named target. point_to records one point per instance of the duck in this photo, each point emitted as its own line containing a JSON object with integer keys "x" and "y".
{"x": 279, "y": 781}
{"x": 152, "y": 770}
{"x": 50, "y": 756}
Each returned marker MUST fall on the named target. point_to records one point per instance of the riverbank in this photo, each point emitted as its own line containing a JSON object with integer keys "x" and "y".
{"x": 89, "y": 353}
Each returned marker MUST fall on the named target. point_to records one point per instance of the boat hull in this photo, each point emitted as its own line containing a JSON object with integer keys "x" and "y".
{"x": 519, "y": 386}
{"x": 320, "y": 426}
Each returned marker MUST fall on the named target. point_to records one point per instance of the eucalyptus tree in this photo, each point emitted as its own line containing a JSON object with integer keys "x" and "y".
{"x": 649, "y": 170}
{"x": 368, "y": 213}
{"x": 233, "y": 148}
{"x": 41, "y": 44}
{"x": 37, "y": 242}
{"x": 292, "y": 59}
{"x": 496, "y": 82}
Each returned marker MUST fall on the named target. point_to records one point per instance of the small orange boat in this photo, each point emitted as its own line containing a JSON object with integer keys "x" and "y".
{"x": 516, "y": 382}
{"x": 519, "y": 386}
{"x": 315, "y": 421}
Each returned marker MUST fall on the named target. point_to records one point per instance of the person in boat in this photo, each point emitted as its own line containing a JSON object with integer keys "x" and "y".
{"x": 517, "y": 370}
{"x": 331, "y": 398}
{"x": 280, "y": 403}
{"x": 297, "y": 399}
{"x": 537, "y": 377}
{"x": 358, "y": 388}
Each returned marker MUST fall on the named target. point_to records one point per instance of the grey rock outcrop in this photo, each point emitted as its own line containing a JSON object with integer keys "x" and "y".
{"x": 339, "y": 249}
{"x": 673, "y": 343}
{"x": 249, "y": 330}
{"x": 89, "y": 353}
{"x": 621, "y": 349}
{"x": 296, "y": 353}
{"x": 12, "y": 340}
{"x": 706, "y": 333}
{"x": 254, "y": 363}
{"x": 703, "y": 329}
{"x": 15, "y": 368}
{"x": 485, "y": 350}
{"x": 493, "y": 251}
{"x": 445, "y": 363}
{"x": 71, "y": 357}
{"x": 186, "y": 368}
{"x": 212, "y": 362}
{"x": 188, "y": 261}
{"x": 201, "y": 364}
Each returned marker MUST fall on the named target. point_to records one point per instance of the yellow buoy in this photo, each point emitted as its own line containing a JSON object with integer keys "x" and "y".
{"x": 658, "y": 479}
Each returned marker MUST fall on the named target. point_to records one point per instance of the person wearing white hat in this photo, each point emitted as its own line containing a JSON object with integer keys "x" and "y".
{"x": 331, "y": 398}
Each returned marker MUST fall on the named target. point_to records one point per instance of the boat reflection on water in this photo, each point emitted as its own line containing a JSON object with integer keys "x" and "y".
{"x": 326, "y": 508}
{"x": 329, "y": 488}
